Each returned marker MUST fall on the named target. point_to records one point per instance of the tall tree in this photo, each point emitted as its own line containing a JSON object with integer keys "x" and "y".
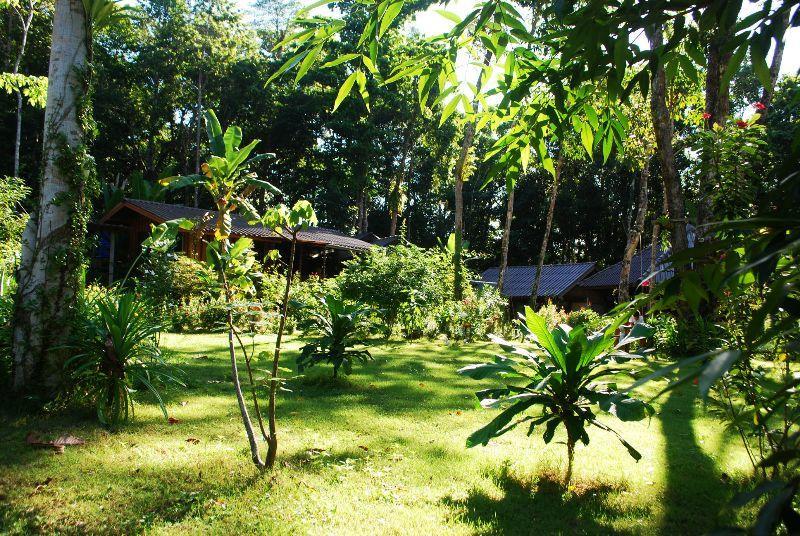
{"x": 635, "y": 235}
{"x": 775, "y": 65}
{"x": 501, "y": 276}
{"x": 25, "y": 16}
{"x": 463, "y": 169}
{"x": 548, "y": 225}
{"x": 664, "y": 132}
{"x": 53, "y": 242}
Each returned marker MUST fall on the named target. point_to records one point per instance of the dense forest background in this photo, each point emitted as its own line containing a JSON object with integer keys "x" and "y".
{"x": 155, "y": 72}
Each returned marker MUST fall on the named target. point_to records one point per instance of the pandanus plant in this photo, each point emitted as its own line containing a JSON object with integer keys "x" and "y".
{"x": 563, "y": 378}
{"x": 228, "y": 178}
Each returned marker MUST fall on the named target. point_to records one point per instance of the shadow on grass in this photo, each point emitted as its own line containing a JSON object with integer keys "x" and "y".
{"x": 695, "y": 492}
{"x": 541, "y": 506}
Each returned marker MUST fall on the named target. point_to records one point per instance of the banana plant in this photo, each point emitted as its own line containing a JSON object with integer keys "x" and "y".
{"x": 228, "y": 177}
{"x": 563, "y": 379}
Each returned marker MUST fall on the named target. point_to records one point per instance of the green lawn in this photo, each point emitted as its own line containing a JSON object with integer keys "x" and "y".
{"x": 380, "y": 452}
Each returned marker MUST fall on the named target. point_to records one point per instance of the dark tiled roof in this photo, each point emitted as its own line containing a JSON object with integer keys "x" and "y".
{"x": 640, "y": 269}
{"x": 313, "y": 235}
{"x": 556, "y": 280}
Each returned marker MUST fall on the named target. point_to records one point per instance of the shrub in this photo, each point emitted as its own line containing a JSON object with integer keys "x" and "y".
{"x": 340, "y": 326}
{"x": 476, "y": 316}
{"x": 405, "y": 282}
{"x": 116, "y": 353}
{"x": 190, "y": 279}
{"x": 6, "y": 314}
{"x": 588, "y": 318}
{"x": 553, "y": 314}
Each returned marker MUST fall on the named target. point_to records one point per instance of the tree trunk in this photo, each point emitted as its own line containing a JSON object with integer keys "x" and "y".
{"x": 395, "y": 206}
{"x": 775, "y": 66}
{"x": 237, "y": 386}
{"x": 460, "y": 169}
{"x": 663, "y": 128}
{"x": 717, "y": 106}
{"x": 634, "y": 236}
{"x": 53, "y": 244}
{"x": 551, "y": 209}
{"x": 570, "y": 459}
{"x": 506, "y": 238}
{"x": 26, "y": 26}
{"x": 466, "y": 144}
{"x": 199, "y": 123}
{"x": 362, "y": 211}
{"x": 272, "y": 442}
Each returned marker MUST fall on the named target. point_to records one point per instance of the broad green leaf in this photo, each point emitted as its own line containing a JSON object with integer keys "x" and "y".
{"x": 587, "y": 138}
{"x": 496, "y": 425}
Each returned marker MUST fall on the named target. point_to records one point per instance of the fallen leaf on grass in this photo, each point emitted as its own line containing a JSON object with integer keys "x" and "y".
{"x": 193, "y": 440}
{"x": 173, "y": 420}
{"x": 58, "y": 445}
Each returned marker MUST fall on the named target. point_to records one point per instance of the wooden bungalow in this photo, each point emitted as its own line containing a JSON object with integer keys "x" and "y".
{"x": 558, "y": 284}
{"x": 122, "y": 230}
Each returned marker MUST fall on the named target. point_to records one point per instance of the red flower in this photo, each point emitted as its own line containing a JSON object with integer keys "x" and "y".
{"x": 742, "y": 123}
{"x": 760, "y": 106}
{"x": 646, "y": 283}
{"x": 706, "y": 116}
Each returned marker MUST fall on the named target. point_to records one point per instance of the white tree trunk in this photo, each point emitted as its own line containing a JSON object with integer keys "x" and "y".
{"x": 47, "y": 279}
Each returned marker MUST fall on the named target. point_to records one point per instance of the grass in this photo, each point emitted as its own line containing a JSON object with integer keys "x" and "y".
{"x": 378, "y": 452}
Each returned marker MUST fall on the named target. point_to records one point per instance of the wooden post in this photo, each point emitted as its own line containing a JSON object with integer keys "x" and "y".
{"x": 111, "y": 246}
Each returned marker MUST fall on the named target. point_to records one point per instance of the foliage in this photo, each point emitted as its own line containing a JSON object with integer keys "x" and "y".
{"x": 340, "y": 326}
{"x": 586, "y": 317}
{"x": 553, "y": 314}
{"x": 473, "y": 318}
{"x": 562, "y": 377}
{"x": 6, "y": 332}
{"x": 736, "y": 154}
{"x": 749, "y": 378}
{"x": 34, "y": 88}
{"x": 12, "y": 223}
{"x": 189, "y": 279}
{"x": 406, "y": 282}
{"x": 116, "y": 352}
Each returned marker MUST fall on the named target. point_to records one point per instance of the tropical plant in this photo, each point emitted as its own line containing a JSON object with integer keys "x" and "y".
{"x": 116, "y": 354}
{"x": 750, "y": 376}
{"x": 406, "y": 282}
{"x": 564, "y": 376}
{"x": 340, "y": 326}
{"x": 228, "y": 179}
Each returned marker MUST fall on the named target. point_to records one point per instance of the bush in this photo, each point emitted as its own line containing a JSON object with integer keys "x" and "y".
{"x": 474, "y": 317}
{"x": 552, "y": 314}
{"x": 588, "y": 318}
{"x": 6, "y": 314}
{"x": 116, "y": 352}
{"x": 405, "y": 282}
{"x": 340, "y": 327}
